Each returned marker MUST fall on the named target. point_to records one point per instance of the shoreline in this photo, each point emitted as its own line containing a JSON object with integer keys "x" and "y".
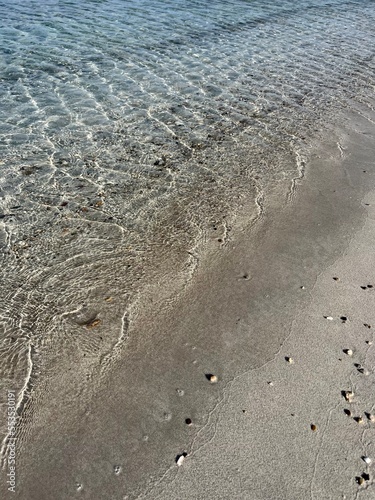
{"x": 238, "y": 315}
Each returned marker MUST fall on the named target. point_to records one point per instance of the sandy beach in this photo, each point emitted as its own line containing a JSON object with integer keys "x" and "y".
{"x": 281, "y": 314}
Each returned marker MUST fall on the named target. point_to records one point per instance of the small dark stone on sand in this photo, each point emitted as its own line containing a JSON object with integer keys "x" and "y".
{"x": 313, "y": 427}
{"x": 347, "y": 412}
{"x": 343, "y": 318}
{"x": 366, "y": 476}
{"x": 336, "y": 278}
{"x": 212, "y": 378}
{"x": 188, "y": 421}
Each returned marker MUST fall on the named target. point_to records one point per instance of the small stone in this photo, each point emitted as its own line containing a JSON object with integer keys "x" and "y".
{"x": 180, "y": 392}
{"x": 302, "y": 288}
{"x": 369, "y": 342}
{"x": 313, "y": 427}
{"x": 270, "y": 383}
{"x": 180, "y": 458}
{"x": 188, "y": 421}
{"x": 347, "y": 412}
{"x": 336, "y": 278}
{"x": 371, "y": 417}
{"x": 359, "y": 420}
{"x": 349, "y": 395}
{"x": 329, "y": 318}
{"x": 367, "y": 460}
{"x": 212, "y": 378}
{"x": 117, "y": 469}
{"x": 108, "y": 299}
{"x": 349, "y": 352}
{"x": 366, "y": 476}
{"x": 289, "y": 360}
{"x": 360, "y": 480}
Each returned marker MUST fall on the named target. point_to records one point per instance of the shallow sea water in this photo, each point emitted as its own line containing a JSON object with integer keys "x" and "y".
{"x": 132, "y": 130}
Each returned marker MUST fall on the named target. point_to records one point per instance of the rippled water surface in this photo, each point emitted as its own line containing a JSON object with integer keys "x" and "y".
{"x": 131, "y": 129}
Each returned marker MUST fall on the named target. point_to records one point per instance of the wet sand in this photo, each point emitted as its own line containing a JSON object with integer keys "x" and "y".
{"x": 257, "y": 300}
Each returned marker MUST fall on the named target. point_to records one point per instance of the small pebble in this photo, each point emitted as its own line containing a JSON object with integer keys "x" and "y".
{"x": 329, "y": 318}
{"x": 359, "y": 420}
{"x": 289, "y": 360}
{"x": 360, "y": 480}
{"x": 348, "y": 412}
{"x": 349, "y": 352}
{"x": 180, "y": 458}
{"x": 313, "y": 427}
{"x": 188, "y": 421}
{"x": 368, "y": 342}
{"x": 336, "y": 278}
{"x": 349, "y": 395}
{"x": 371, "y": 418}
{"x": 212, "y": 378}
{"x": 270, "y": 383}
{"x": 367, "y": 460}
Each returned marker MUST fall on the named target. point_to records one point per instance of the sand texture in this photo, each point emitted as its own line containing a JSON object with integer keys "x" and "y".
{"x": 245, "y": 376}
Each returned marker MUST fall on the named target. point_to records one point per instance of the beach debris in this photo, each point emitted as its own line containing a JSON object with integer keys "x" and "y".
{"x": 93, "y": 323}
{"x": 289, "y": 360}
{"x": 348, "y": 412}
{"x": 359, "y": 420}
{"x": 212, "y": 378}
{"x": 108, "y": 299}
{"x": 117, "y": 469}
{"x": 313, "y": 427}
{"x": 367, "y": 460}
{"x": 344, "y": 319}
{"x": 349, "y": 352}
{"x": 188, "y": 421}
{"x": 180, "y": 458}
{"x": 328, "y": 317}
{"x": 348, "y": 395}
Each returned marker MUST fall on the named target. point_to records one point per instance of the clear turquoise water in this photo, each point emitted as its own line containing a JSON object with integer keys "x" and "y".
{"x": 129, "y": 128}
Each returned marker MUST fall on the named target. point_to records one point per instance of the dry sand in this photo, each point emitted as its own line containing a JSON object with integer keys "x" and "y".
{"x": 265, "y": 296}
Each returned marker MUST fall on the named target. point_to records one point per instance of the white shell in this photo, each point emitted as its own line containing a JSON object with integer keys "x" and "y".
{"x": 367, "y": 460}
{"x": 349, "y": 395}
{"x": 180, "y": 460}
{"x": 329, "y": 318}
{"x": 349, "y": 352}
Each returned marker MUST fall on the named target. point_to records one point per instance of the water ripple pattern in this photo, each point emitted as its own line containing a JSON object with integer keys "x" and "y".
{"x": 115, "y": 114}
